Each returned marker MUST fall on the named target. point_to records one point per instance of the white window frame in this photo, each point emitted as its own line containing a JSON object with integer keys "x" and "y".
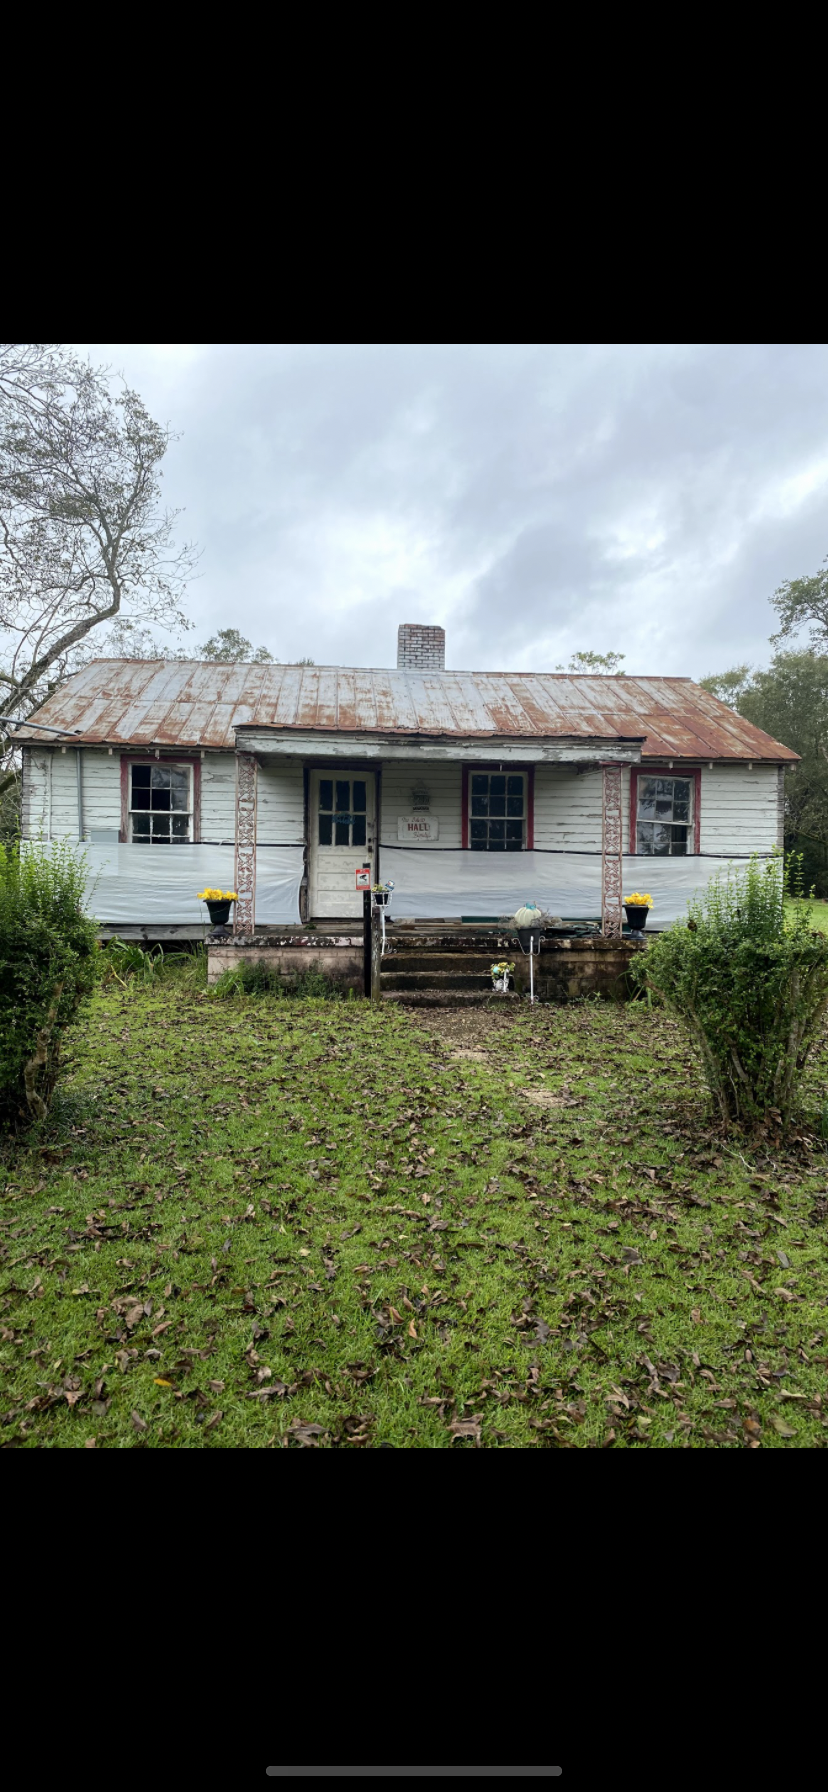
{"x": 489, "y": 772}
{"x": 653, "y": 821}
{"x": 162, "y": 765}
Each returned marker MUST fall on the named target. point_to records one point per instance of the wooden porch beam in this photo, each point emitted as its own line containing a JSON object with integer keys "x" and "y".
{"x": 568, "y": 750}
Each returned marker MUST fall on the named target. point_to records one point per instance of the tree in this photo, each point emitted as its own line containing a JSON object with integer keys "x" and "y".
{"x": 801, "y": 601}
{"x": 601, "y": 663}
{"x": 728, "y": 686}
{"x": 84, "y": 537}
{"x": 228, "y": 647}
{"x": 790, "y": 702}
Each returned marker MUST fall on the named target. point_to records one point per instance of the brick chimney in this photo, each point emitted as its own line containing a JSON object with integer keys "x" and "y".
{"x": 421, "y": 647}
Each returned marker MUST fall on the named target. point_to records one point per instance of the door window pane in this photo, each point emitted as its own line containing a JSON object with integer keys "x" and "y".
{"x": 326, "y": 793}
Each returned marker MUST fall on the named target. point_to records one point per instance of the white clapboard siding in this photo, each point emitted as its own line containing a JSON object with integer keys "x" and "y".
{"x": 445, "y": 787}
{"x": 218, "y": 797}
{"x": 739, "y": 809}
{"x": 568, "y": 807}
{"x": 281, "y": 803}
{"x": 50, "y": 783}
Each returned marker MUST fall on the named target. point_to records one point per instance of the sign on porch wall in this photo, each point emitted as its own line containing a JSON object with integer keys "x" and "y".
{"x": 418, "y": 827}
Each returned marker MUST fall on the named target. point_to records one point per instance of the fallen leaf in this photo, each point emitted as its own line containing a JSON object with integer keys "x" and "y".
{"x": 305, "y": 1434}
{"x": 161, "y": 1383}
{"x": 90, "y": 1444}
{"x": 467, "y": 1427}
{"x": 412, "y": 1329}
{"x": 214, "y": 1419}
{"x": 695, "y": 1315}
{"x": 139, "y": 1423}
{"x": 781, "y": 1426}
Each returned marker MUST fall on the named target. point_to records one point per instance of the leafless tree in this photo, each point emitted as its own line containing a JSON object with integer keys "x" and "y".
{"x": 85, "y": 539}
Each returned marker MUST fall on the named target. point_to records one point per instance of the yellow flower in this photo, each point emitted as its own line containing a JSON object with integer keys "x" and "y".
{"x": 216, "y": 895}
{"x": 636, "y": 900}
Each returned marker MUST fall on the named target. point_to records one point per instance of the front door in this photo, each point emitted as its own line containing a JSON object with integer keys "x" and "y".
{"x": 342, "y": 809}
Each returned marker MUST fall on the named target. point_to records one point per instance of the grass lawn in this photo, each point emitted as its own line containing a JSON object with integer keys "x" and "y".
{"x": 263, "y": 1222}
{"x": 818, "y": 913}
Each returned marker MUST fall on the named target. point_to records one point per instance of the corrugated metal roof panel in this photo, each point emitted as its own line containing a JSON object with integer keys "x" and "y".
{"x": 200, "y": 702}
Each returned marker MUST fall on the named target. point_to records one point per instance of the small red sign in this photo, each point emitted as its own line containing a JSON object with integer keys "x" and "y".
{"x": 363, "y": 878}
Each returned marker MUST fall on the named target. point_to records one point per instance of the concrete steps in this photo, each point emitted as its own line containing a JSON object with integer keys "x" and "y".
{"x": 442, "y": 996}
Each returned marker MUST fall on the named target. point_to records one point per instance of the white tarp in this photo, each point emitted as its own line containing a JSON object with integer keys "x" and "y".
{"x": 436, "y": 885}
{"x": 278, "y": 876}
{"x": 138, "y": 884}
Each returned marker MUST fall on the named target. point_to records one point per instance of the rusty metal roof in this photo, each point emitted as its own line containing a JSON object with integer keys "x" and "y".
{"x": 198, "y": 703}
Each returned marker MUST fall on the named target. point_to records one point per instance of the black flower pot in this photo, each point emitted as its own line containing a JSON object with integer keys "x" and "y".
{"x": 219, "y": 913}
{"x": 526, "y": 935}
{"x": 636, "y": 917}
{"x": 381, "y": 898}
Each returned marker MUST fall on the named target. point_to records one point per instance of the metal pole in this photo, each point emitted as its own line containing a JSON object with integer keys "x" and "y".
{"x": 79, "y": 762}
{"x": 366, "y": 940}
{"x": 531, "y": 971}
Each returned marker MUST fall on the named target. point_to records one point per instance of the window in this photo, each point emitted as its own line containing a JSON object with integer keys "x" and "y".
{"x": 342, "y": 819}
{"x": 664, "y": 818}
{"x": 497, "y": 811}
{"x": 160, "y": 804}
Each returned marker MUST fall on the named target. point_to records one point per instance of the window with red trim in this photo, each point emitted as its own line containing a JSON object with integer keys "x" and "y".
{"x": 161, "y": 807}
{"x": 664, "y": 818}
{"x": 497, "y": 809}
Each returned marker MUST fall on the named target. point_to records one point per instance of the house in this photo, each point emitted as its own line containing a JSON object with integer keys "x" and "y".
{"x": 473, "y": 791}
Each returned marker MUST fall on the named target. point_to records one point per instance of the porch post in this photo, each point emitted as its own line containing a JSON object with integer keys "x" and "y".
{"x": 244, "y": 920}
{"x": 611, "y": 864}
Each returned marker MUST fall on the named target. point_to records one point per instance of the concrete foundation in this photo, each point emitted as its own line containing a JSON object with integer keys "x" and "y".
{"x": 438, "y": 967}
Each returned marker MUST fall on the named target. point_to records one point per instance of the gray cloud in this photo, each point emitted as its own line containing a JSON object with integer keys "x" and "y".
{"x": 534, "y": 499}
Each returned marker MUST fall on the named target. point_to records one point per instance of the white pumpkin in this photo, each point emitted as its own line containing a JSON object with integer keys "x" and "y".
{"x": 529, "y": 915}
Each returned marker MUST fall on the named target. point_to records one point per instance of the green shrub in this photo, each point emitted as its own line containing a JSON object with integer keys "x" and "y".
{"x": 48, "y": 964}
{"x": 127, "y": 962}
{"x": 751, "y": 984}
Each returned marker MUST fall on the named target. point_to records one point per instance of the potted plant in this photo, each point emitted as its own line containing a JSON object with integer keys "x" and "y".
{"x": 380, "y": 895}
{"x": 636, "y": 908}
{"x": 501, "y": 972}
{"x": 218, "y": 905}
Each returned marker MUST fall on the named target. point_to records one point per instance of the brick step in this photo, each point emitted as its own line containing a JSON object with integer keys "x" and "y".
{"x": 444, "y": 996}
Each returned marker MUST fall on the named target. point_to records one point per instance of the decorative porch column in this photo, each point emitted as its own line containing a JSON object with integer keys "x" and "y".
{"x": 611, "y": 864}
{"x": 244, "y": 920}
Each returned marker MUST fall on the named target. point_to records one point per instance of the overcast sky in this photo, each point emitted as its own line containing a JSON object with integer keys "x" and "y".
{"x": 534, "y": 500}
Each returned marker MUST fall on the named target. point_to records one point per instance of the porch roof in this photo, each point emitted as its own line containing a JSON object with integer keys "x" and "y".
{"x": 187, "y": 704}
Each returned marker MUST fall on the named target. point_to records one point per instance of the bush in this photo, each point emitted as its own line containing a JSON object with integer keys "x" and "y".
{"x": 48, "y": 964}
{"x": 749, "y": 982}
{"x": 128, "y": 962}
